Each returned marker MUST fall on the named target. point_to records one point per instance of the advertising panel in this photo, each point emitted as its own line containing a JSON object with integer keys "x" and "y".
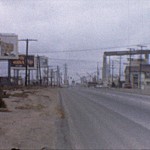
{"x": 8, "y": 46}
{"x": 43, "y": 61}
{"x": 20, "y": 63}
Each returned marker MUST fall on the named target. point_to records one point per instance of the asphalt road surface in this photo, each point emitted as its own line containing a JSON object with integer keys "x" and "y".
{"x": 106, "y": 119}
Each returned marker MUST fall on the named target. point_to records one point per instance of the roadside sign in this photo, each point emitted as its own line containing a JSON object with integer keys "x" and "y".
{"x": 8, "y": 46}
{"x": 43, "y": 61}
{"x": 20, "y": 63}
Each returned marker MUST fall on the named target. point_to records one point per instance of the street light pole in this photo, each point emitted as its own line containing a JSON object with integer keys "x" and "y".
{"x": 26, "y": 58}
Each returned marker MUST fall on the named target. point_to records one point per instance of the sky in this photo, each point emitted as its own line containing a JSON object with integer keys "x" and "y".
{"x": 74, "y": 25}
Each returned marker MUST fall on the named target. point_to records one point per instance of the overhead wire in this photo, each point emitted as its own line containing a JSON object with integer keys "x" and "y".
{"x": 61, "y": 59}
{"x": 91, "y": 49}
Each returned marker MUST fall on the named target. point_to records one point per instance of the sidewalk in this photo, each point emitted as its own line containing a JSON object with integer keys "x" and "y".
{"x": 134, "y": 91}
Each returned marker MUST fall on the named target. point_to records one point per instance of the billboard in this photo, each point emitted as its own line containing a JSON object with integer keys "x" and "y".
{"x": 20, "y": 63}
{"x": 43, "y": 61}
{"x": 8, "y": 46}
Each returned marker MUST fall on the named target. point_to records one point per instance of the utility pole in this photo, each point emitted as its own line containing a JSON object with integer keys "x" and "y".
{"x": 9, "y": 71}
{"x": 26, "y": 63}
{"x": 58, "y": 76}
{"x": 130, "y": 50}
{"x": 47, "y": 75}
{"x": 109, "y": 76}
{"x": 120, "y": 72}
{"x": 120, "y": 68}
{"x": 37, "y": 71}
{"x": 51, "y": 77}
{"x": 65, "y": 75}
{"x": 29, "y": 77}
{"x": 97, "y": 72}
{"x": 112, "y": 71}
{"x": 140, "y": 68}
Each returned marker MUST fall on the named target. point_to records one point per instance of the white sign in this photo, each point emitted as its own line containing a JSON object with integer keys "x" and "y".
{"x": 8, "y": 46}
{"x": 43, "y": 61}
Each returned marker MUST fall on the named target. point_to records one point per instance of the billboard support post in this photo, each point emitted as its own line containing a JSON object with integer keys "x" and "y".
{"x": 9, "y": 70}
{"x": 37, "y": 69}
{"x": 40, "y": 72}
{"x": 26, "y": 74}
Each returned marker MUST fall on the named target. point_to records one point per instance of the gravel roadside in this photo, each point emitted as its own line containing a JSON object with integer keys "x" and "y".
{"x": 30, "y": 122}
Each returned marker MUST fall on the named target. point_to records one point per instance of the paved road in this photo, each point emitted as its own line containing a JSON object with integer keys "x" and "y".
{"x": 107, "y": 119}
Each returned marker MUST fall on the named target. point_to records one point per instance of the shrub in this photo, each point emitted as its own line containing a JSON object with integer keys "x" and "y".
{"x": 2, "y": 103}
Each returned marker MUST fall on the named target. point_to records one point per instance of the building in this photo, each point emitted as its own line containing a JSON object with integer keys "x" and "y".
{"x": 138, "y": 76}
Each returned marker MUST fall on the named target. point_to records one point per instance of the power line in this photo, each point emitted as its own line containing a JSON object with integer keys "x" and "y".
{"x": 59, "y": 59}
{"x": 94, "y": 49}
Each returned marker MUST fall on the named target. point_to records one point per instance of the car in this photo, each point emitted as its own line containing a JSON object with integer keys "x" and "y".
{"x": 127, "y": 85}
{"x": 98, "y": 86}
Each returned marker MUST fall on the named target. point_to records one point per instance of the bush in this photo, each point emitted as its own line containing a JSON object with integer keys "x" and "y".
{"x": 2, "y": 103}
{"x": 1, "y": 91}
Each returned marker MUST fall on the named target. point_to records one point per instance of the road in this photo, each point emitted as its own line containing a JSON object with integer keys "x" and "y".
{"x": 106, "y": 119}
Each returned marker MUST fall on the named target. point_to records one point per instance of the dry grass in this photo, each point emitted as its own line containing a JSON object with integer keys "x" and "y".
{"x": 16, "y": 101}
{"x": 4, "y": 110}
{"x": 24, "y": 95}
{"x": 60, "y": 112}
{"x": 29, "y": 106}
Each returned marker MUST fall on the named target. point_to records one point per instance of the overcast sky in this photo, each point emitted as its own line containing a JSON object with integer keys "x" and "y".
{"x": 76, "y": 25}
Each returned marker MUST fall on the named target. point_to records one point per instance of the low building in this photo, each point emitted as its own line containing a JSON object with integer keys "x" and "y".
{"x": 138, "y": 77}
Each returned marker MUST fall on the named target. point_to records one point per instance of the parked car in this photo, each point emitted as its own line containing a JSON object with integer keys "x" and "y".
{"x": 127, "y": 85}
{"x": 98, "y": 86}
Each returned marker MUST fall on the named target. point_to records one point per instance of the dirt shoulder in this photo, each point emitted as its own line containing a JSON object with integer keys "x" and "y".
{"x": 30, "y": 122}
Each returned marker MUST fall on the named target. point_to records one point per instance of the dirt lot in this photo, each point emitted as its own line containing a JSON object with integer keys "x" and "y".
{"x": 30, "y": 120}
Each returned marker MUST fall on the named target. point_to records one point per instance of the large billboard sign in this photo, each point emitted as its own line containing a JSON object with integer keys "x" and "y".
{"x": 8, "y": 46}
{"x": 20, "y": 63}
{"x": 43, "y": 61}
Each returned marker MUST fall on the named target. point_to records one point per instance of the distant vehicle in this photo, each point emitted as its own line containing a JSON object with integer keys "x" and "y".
{"x": 98, "y": 86}
{"x": 127, "y": 85}
{"x": 65, "y": 86}
{"x": 92, "y": 84}
{"x": 101, "y": 86}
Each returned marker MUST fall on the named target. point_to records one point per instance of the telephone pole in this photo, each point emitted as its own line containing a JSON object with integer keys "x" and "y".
{"x": 51, "y": 77}
{"x": 109, "y": 76}
{"x": 65, "y": 75}
{"x": 26, "y": 63}
{"x": 112, "y": 72}
{"x": 120, "y": 72}
{"x": 140, "y": 68}
{"x": 97, "y": 72}
{"x": 58, "y": 76}
{"x": 47, "y": 75}
{"x": 130, "y": 50}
